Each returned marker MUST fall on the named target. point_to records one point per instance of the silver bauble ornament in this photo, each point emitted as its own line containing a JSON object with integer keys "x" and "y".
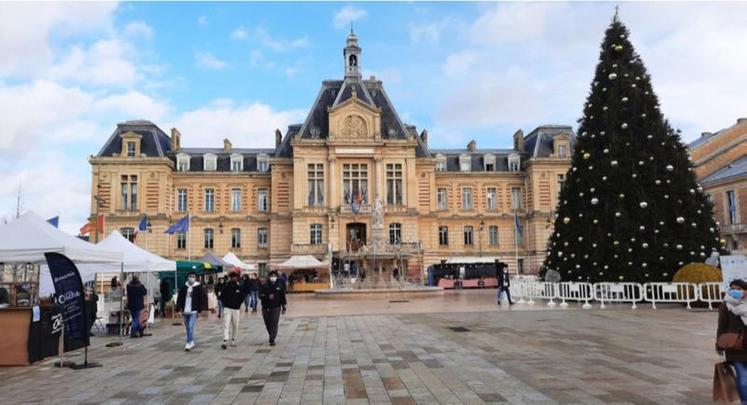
{"x": 680, "y": 220}
{"x": 612, "y": 76}
{"x": 670, "y": 168}
{"x": 643, "y": 204}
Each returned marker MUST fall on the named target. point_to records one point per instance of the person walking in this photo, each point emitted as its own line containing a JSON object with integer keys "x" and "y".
{"x": 232, "y": 296}
{"x": 246, "y": 291}
{"x": 135, "y": 303}
{"x": 189, "y": 301}
{"x": 165, "y": 290}
{"x": 254, "y": 285}
{"x": 272, "y": 294}
{"x": 218, "y": 287}
{"x": 732, "y": 317}
{"x": 504, "y": 282}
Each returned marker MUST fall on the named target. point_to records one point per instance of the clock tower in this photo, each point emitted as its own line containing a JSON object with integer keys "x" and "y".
{"x": 352, "y": 54}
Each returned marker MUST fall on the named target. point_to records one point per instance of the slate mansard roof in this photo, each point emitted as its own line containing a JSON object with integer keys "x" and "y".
{"x": 154, "y": 142}
{"x": 734, "y": 170}
{"x": 223, "y": 159}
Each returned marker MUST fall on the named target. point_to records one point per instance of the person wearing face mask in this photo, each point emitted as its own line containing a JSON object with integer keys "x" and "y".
{"x": 272, "y": 295}
{"x": 732, "y": 317}
{"x": 232, "y": 296}
{"x": 189, "y": 302}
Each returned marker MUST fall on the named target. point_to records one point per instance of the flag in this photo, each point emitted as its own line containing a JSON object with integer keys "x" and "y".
{"x": 100, "y": 223}
{"x": 85, "y": 229}
{"x": 143, "y": 223}
{"x": 517, "y": 225}
{"x": 69, "y": 295}
{"x": 180, "y": 226}
{"x": 54, "y": 221}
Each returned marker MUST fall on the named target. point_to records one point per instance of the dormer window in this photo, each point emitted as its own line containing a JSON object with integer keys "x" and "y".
{"x": 465, "y": 163}
{"x": 130, "y": 144}
{"x": 210, "y": 162}
{"x": 561, "y": 146}
{"x": 131, "y": 149}
{"x": 182, "y": 162}
{"x": 489, "y": 162}
{"x": 237, "y": 162}
{"x": 263, "y": 162}
{"x": 562, "y": 150}
{"x": 514, "y": 162}
{"x": 440, "y": 163}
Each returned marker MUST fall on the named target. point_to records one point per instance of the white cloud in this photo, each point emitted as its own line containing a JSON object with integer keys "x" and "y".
{"x": 133, "y": 105}
{"x": 458, "y": 64}
{"x": 291, "y": 72}
{"x": 106, "y": 62}
{"x": 508, "y": 22}
{"x": 138, "y": 29}
{"x": 240, "y": 34}
{"x": 279, "y": 44}
{"x": 206, "y": 60}
{"x": 246, "y": 125}
{"x": 346, "y": 15}
{"x": 26, "y": 30}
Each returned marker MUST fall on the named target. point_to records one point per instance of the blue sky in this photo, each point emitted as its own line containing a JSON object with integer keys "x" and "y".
{"x": 70, "y": 72}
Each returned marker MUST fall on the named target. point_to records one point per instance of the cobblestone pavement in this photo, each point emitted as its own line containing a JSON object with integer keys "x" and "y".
{"x": 595, "y": 356}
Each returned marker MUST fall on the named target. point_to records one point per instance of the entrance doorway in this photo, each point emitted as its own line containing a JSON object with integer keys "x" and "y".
{"x": 356, "y": 235}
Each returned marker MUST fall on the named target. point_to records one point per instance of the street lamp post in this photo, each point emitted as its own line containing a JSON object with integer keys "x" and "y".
{"x": 482, "y": 226}
{"x": 99, "y": 202}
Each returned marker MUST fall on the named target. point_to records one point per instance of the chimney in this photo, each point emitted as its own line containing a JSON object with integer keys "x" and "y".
{"x": 176, "y": 140}
{"x": 424, "y": 137}
{"x": 278, "y": 137}
{"x": 519, "y": 141}
{"x": 741, "y": 120}
{"x": 226, "y": 145}
{"x": 707, "y": 134}
{"x": 472, "y": 145}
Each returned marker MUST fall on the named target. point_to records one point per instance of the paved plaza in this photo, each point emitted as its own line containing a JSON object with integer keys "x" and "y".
{"x": 399, "y": 353}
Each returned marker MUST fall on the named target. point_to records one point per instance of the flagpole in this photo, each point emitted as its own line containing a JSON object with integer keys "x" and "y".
{"x": 516, "y": 242}
{"x": 189, "y": 240}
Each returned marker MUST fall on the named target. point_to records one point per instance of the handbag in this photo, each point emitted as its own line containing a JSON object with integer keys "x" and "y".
{"x": 724, "y": 383}
{"x": 730, "y": 341}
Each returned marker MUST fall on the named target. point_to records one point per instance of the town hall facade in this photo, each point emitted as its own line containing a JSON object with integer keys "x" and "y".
{"x": 316, "y": 190}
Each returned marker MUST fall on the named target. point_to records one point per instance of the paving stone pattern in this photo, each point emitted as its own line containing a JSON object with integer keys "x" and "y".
{"x": 617, "y": 356}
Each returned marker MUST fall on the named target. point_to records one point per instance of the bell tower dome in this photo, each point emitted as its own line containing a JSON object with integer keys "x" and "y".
{"x": 352, "y": 54}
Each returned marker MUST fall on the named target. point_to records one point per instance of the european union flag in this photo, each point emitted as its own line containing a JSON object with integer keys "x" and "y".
{"x": 143, "y": 223}
{"x": 55, "y": 222}
{"x": 180, "y": 226}
{"x": 517, "y": 224}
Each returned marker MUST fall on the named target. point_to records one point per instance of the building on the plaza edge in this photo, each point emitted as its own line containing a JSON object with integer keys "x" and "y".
{"x": 720, "y": 165}
{"x": 320, "y": 182}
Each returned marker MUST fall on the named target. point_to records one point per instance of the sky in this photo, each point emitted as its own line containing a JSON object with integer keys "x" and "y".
{"x": 69, "y": 72}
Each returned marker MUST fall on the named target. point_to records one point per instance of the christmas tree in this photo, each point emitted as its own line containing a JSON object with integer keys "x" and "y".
{"x": 630, "y": 209}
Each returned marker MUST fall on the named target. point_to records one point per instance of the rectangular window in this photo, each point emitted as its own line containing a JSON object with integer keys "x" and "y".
{"x": 355, "y": 183}
{"x": 443, "y": 203}
{"x": 467, "y": 198}
{"x": 315, "y": 234}
{"x": 182, "y": 163}
{"x": 209, "y": 200}
{"x": 520, "y": 266}
{"x": 235, "y": 238}
{"x": 394, "y": 184}
{"x": 562, "y": 151}
{"x": 516, "y": 198}
{"x": 443, "y": 235}
{"x": 130, "y": 149}
{"x": 262, "y": 203}
{"x": 489, "y": 167}
{"x": 468, "y": 236}
{"x": 262, "y": 268}
{"x": 235, "y": 199}
{"x": 561, "y": 182}
{"x": 236, "y": 165}
{"x": 263, "y": 164}
{"x": 208, "y": 238}
{"x": 262, "y": 237}
{"x": 395, "y": 233}
{"x": 181, "y": 240}
{"x": 211, "y": 163}
{"x": 315, "y": 176}
{"x": 491, "y": 199}
{"x": 125, "y": 186}
{"x": 731, "y": 200}
{"x": 493, "y": 235}
{"x": 129, "y": 193}
{"x": 441, "y": 165}
{"x": 133, "y": 193}
{"x": 128, "y": 233}
{"x": 181, "y": 200}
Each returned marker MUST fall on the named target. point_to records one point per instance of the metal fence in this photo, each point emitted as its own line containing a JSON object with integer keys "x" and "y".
{"x": 529, "y": 290}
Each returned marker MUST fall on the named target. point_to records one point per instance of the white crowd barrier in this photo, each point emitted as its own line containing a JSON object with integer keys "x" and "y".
{"x": 618, "y": 292}
{"x": 711, "y": 293}
{"x": 670, "y": 293}
{"x": 528, "y": 290}
{"x": 569, "y": 291}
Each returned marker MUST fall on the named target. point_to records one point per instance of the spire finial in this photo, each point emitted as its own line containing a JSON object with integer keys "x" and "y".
{"x": 351, "y": 28}
{"x": 616, "y": 12}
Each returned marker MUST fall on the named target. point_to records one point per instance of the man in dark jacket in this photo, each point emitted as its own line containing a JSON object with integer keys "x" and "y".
{"x": 135, "y": 303}
{"x": 504, "y": 281}
{"x": 232, "y": 295}
{"x": 189, "y": 302}
{"x": 253, "y": 284}
{"x": 218, "y": 287}
{"x": 272, "y": 294}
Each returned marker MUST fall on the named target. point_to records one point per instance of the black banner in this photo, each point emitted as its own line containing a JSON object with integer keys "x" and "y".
{"x": 70, "y": 299}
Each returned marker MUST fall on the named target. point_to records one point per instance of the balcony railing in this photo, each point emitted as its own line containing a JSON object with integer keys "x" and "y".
{"x": 734, "y": 228}
{"x": 308, "y": 249}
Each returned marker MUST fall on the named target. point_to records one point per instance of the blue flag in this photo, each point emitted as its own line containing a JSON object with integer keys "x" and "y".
{"x": 54, "y": 221}
{"x": 517, "y": 225}
{"x": 143, "y": 223}
{"x": 180, "y": 226}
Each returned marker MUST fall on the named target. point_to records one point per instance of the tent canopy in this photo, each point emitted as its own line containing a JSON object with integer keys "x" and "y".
{"x": 471, "y": 259}
{"x": 301, "y": 262}
{"x": 134, "y": 258}
{"x": 215, "y": 261}
{"x": 236, "y": 262}
{"x": 26, "y": 239}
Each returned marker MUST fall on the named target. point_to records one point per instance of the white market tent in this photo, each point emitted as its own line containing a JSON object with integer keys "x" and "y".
{"x": 26, "y": 239}
{"x": 471, "y": 259}
{"x": 236, "y": 262}
{"x": 301, "y": 262}
{"x": 134, "y": 258}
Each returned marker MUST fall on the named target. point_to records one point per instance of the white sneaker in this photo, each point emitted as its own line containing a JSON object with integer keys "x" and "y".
{"x": 191, "y": 345}
{"x": 187, "y": 347}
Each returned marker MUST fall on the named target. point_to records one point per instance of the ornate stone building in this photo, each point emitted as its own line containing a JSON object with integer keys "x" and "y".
{"x": 320, "y": 182}
{"x": 720, "y": 165}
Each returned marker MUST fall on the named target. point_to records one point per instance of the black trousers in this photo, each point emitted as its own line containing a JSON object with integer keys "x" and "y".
{"x": 272, "y": 318}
